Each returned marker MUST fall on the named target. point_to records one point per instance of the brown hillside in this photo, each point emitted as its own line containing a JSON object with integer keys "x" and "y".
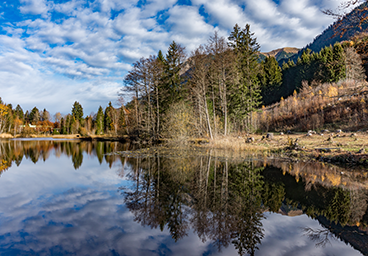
{"x": 276, "y": 52}
{"x": 327, "y": 106}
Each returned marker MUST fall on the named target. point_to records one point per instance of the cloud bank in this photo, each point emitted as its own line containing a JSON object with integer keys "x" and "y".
{"x": 53, "y": 53}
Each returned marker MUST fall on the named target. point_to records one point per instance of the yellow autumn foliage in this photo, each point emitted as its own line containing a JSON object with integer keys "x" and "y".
{"x": 334, "y": 179}
{"x": 332, "y": 91}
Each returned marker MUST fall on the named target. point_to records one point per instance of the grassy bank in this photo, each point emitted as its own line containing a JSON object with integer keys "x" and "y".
{"x": 339, "y": 148}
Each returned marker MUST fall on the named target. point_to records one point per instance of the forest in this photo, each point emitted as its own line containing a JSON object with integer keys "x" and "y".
{"x": 220, "y": 88}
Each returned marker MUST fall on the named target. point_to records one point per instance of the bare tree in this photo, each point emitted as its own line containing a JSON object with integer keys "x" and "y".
{"x": 200, "y": 66}
{"x": 57, "y": 117}
{"x": 353, "y": 64}
{"x": 222, "y": 63}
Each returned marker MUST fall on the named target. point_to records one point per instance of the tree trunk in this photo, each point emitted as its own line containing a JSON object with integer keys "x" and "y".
{"x": 208, "y": 117}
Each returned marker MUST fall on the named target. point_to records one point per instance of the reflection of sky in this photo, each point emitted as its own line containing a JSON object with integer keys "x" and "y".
{"x": 49, "y": 208}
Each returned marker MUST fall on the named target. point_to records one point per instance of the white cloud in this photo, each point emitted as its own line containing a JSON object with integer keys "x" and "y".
{"x": 223, "y": 13}
{"x": 33, "y": 7}
{"x": 96, "y": 42}
{"x": 188, "y": 27}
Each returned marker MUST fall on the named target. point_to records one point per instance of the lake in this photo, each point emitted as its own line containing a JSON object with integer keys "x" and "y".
{"x": 60, "y": 197}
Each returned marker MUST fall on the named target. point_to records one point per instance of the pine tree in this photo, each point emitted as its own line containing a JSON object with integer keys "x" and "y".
{"x": 291, "y": 63}
{"x": 77, "y": 111}
{"x": 34, "y": 116}
{"x": 68, "y": 124}
{"x": 246, "y": 92}
{"x": 45, "y": 115}
{"x": 10, "y": 118}
{"x": 27, "y": 117}
{"x": 100, "y": 121}
{"x": 19, "y": 112}
{"x": 272, "y": 73}
{"x": 172, "y": 79}
{"x": 338, "y": 62}
{"x": 327, "y": 73}
{"x": 108, "y": 118}
{"x": 306, "y": 58}
{"x": 62, "y": 126}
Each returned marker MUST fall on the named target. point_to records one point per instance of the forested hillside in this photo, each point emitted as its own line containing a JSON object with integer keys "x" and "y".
{"x": 339, "y": 31}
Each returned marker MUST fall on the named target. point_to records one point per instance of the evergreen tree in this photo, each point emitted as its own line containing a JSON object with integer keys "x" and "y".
{"x": 306, "y": 58}
{"x": 338, "y": 62}
{"x": 45, "y": 115}
{"x": 9, "y": 118}
{"x": 19, "y": 112}
{"x": 246, "y": 92}
{"x": 100, "y": 121}
{"x": 27, "y": 117}
{"x": 272, "y": 76}
{"x": 291, "y": 63}
{"x": 173, "y": 81}
{"x": 77, "y": 111}
{"x": 68, "y": 124}
{"x": 62, "y": 126}
{"x": 108, "y": 117}
{"x": 327, "y": 71}
{"x": 34, "y": 116}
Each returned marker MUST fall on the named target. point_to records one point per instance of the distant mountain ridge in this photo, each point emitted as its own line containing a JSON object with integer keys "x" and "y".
{"x": 281, "y": 53}
{"x": 331, "y": 35}
{"x": 277, "y": 52}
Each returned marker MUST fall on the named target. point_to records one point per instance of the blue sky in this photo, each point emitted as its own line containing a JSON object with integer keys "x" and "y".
{"x": 53, "y": 53}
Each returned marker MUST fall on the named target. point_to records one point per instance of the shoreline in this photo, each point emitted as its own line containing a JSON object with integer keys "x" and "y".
{"x": 344, "y": 149}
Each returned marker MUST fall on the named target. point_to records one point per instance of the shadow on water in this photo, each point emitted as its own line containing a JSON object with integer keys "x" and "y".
{"x": 222, "y": 201}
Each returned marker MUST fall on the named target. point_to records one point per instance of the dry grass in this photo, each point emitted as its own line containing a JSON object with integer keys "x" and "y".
{"x": 343, "y": 105}
{"x": 309, "y": 145}
{"x": 238, "y": 143}
{"x": 6, "y": 136}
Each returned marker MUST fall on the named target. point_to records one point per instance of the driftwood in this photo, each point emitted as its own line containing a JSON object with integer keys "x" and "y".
{"x": 326, "y": 149}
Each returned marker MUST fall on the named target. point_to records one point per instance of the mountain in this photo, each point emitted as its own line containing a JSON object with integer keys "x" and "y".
{"x": 336, "y": 32}
{"x": 279, "y": 54}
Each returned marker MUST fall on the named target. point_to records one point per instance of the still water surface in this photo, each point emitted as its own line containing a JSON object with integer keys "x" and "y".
{"x": 74, "y": 198}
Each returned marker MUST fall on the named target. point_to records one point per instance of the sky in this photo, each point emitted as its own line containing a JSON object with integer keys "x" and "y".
{"x": 53, "y": 53}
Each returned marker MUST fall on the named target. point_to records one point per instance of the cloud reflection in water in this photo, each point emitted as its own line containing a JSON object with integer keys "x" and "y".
{"x": 49, "y": 208}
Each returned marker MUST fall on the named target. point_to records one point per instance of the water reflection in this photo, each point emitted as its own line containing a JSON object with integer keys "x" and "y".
{"x": 221, "y": 202}
{"x": 13, "y": 151}
{"x": 226, "y": 204}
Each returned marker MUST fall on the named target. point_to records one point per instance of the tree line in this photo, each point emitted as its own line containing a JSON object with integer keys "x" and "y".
{"x": 107, "y": 121}
{"x": 331, "y": 64}
{"x": 213, "y": 91}
{"x": 217, "y": 89}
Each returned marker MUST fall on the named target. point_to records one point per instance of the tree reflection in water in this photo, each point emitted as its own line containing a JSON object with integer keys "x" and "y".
{"x": 37, "y": 150}
{"x": 222, "y": 202}
{"x": 320, "y": 236}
